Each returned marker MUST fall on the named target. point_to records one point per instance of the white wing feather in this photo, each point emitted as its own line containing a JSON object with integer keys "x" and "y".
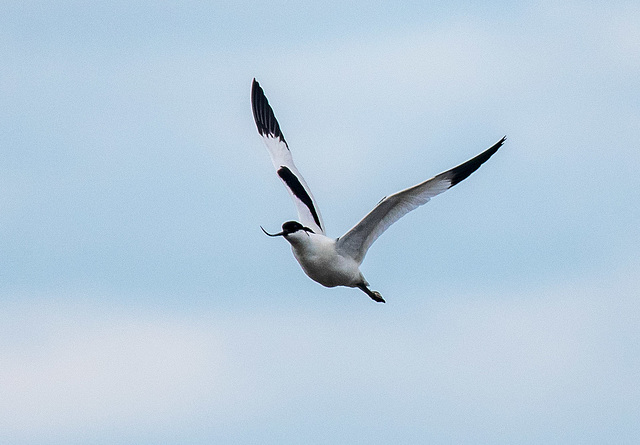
{"x": 269, "y": 129}
{"x": 390, "y": 209}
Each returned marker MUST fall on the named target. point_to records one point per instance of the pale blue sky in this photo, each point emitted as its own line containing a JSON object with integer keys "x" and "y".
{"x": 140, "y": 302}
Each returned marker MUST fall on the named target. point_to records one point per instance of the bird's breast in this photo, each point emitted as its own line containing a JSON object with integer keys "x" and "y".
{"x": 322, "y": 263}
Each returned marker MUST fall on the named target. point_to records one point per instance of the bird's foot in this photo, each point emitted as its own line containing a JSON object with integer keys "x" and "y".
{"x": 375, "y": 296}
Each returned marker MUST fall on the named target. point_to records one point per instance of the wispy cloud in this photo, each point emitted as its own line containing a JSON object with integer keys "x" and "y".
{"x": 540, "y": 364}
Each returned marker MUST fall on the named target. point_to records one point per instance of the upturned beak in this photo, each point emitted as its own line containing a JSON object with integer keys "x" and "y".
{"x": 272, "y": 234}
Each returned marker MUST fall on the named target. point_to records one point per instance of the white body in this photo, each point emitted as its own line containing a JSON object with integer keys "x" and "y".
{"x": 321, "y": 261}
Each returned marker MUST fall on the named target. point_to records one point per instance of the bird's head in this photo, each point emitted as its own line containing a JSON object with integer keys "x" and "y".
{"x": 291, "y": 230}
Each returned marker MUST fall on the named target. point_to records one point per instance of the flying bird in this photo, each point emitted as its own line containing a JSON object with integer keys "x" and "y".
{"x": 336, "y": 262}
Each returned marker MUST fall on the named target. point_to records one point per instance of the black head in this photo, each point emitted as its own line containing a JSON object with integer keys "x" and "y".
{"x": 288, "y": 228}
{"x": 292, "y": 227}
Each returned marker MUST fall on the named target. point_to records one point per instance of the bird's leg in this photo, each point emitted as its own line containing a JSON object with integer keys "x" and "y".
{"x": 374, "y": 295}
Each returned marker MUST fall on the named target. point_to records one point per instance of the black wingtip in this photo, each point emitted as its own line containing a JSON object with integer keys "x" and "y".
{"x": 462, "y": 171}
{"x": 263, "y": 114}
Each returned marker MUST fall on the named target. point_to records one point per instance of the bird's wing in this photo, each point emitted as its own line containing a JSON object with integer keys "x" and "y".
{"x": 357, "y": 241}
{"x": 268, "y": 127}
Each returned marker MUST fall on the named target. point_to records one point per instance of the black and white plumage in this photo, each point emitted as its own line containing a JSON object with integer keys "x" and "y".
{"x": 283, "y": 162}
{"x": 336, "y": 262}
